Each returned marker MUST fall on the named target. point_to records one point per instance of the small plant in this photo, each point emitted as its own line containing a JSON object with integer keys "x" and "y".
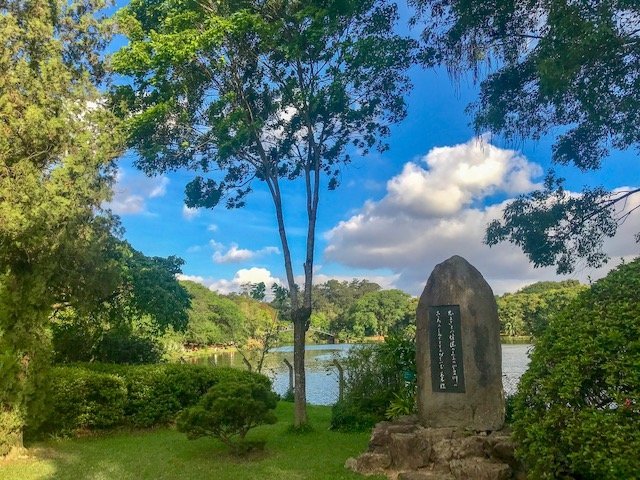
{"x": 229, "y": 410}
{"x": 402, "y": 404}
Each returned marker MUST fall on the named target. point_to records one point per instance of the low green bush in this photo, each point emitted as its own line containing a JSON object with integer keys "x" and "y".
{"x": 99, "y": 396}
{"x": 380, "y": 381}
{"x": 577, "y": 411}
{"x": 10, "y": 431}
{"x": 230, "y": 409}
{"x": 80, "y": 399}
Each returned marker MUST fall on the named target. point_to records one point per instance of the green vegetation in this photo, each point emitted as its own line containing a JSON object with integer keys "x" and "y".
{"x": 57, "y": 144}
{"x": 264, "y": 91}
{"x": 526, "y": 312}
{"x": 88, "y": 397}
{"x": 167, "y": 454}
{"x": 562, "y": 68}
{"x": 357, "y": 309}
{"x": 143, "y": 300}
{"x": 577, "y": 411}
{"x": 231, "y": 408}
{"x": 380, "y": 383}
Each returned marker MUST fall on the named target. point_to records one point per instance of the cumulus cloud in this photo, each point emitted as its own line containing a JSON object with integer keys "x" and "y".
{"x": 241, "y": 277}
{"x": 456, "y": 176}
{"x": 132, "y": 191}
{"x": 235, "y": 254}
{"x": 190, "y": 213}
{"x": 429, "y": 214}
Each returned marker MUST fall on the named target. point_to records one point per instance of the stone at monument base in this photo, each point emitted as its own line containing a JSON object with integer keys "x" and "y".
{"x": 405, "y": 450}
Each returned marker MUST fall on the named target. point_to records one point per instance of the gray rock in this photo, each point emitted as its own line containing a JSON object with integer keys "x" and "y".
{"x": 479, "y": 469}
{"x": 481, "y": 405}
{"x": 368, "y": 463}
{"x": 425, "y": 475}
{"x": 409, "y": 451}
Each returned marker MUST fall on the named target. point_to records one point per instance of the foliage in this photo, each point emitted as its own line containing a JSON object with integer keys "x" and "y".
{"x": 230, "y": 408}
{"x": 81, "y": 399}
{"x": 380, "y": 378}
{"x": 117, "y": 346}
{"x": 332, "y": 302}
{"x": 82, "y": 340}
{"x": 572, "y": 65}
{"x": 257, "y": 334}
{"x": 10, "y": 431}
{"x": 165, "y": 453}
{"x": 527, "y": 311}
{"x": 210, "y": 316}
{"x": 97, "y": 396}
{"x": 57, "y": 143}
{"x": 379, "y": 313}
{"x": 261, "y": 90}
{"x": 577, "y": 411}
{"x": 123, "y": 325}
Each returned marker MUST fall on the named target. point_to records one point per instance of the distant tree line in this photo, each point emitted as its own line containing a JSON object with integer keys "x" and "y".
{"x": 527, "y": 311}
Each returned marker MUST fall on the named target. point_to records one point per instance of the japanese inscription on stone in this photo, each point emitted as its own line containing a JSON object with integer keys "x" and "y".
{"x": 447, "y": 370}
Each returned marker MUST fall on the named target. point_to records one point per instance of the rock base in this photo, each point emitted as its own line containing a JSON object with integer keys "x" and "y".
{"x": 405, "y": 450}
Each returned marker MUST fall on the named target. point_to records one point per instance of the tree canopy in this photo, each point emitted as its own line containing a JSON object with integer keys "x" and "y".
{"x": 269, "y": 91}
{"x": 569, "y": 69}
{"x": 57, "y": 143}
{"x": 527, "y": 312}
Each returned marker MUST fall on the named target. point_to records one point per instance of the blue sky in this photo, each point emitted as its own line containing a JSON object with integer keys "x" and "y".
{"x": 394, "y": 216}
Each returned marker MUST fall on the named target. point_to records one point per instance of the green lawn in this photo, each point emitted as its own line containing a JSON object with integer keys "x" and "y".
{"x": 167, "y": 454}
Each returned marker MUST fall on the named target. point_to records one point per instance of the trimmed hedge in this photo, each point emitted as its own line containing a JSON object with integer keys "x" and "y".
{"x": 577, "y": 410}
{"x": 100, "y": 396}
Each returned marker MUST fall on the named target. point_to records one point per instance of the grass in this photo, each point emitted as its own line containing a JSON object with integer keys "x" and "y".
{"x": 166, "y": 454}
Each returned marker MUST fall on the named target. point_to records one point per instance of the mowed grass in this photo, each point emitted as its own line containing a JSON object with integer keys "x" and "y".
{"x": 167, "y": 454}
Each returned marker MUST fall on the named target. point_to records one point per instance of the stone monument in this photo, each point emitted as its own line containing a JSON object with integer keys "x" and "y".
{"x": 457, "y": 434}
{"x": 459, "y": 358}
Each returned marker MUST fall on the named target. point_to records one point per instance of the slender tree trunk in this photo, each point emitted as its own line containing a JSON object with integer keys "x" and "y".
{"x": 299, "y": 389}
{"x": 299, "y": 315}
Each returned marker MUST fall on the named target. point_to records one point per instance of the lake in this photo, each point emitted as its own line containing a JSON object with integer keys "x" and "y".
{"x": 322, "y": 376}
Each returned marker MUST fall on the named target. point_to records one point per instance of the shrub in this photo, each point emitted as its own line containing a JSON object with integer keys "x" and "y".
{"x": 79, "y": 399}
{"x": 577, "y": 412}
{"x": 229, "y": 409}
{"x": 126, "y": 347}
{"x": 77, "y": 342}
{"x": 97, "y": 396}
{"x": 10, "y": 431}
{"x": 377, "y": 376}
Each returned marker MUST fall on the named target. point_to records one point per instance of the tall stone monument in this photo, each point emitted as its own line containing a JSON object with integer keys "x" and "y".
{"x": 459, "y": 359}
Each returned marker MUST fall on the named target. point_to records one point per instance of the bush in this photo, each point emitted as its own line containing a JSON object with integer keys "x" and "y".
{"x": 10, "y": 431}
{"x": 76, "y": 342}
{"x": 79, "y": 399}
{"x": 377, "y": 377}
{"x": 577, "y": 412}
{"x": 125, "y": 347}
{"x": 229, "y": 409}
{"x": 98, "y": 396}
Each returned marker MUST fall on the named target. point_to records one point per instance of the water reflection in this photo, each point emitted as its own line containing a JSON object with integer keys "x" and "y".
{"x": 322, "y": 375}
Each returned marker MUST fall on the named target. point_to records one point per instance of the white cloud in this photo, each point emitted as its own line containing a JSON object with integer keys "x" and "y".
{"x": 160, "y": 189}
{"x": 190, "y": 213}
{"x": 456, "y": 176}
{"x": 131, "y": 192}
{"x": 429, "y": 215}
{"x": 241, "y": 277}
{"x": 212, "y": 228}
{"x": 234, "y": 254}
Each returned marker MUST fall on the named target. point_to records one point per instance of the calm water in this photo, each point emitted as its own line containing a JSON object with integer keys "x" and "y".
{"x": 322, "y": 376}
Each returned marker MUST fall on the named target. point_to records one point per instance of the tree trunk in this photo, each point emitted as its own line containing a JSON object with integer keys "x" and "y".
{"x": 299, "y": 389}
